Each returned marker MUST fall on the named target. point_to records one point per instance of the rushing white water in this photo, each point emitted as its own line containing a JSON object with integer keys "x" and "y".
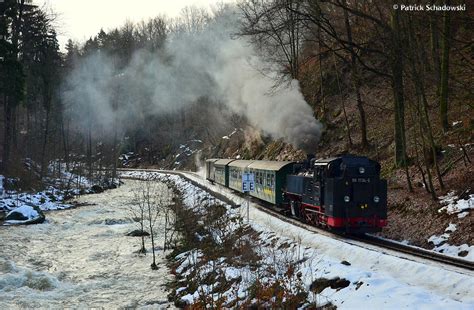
{"x": 81, "y": 258}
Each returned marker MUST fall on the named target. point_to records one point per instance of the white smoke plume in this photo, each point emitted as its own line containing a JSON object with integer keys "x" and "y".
{"x": 211, "y": 63}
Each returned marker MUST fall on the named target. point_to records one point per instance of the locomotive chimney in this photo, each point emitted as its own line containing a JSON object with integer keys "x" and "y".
{"x": 309, "y": 159}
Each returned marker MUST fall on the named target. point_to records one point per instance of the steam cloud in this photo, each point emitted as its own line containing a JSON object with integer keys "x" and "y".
{"x": 209, "y": 63}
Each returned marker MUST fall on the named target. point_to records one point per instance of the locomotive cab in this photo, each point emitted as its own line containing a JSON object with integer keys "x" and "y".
{"x": 355, "y": 198}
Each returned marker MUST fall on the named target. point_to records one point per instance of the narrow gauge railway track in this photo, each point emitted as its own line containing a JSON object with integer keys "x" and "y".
{"x": 419, "y": 252}
{"x": 366, "y": 239}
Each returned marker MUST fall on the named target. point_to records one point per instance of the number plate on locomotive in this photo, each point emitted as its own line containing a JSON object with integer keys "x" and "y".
{"x": 361, "y": 180}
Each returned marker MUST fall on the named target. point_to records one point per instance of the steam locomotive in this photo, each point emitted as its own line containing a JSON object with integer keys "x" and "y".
{"x": 344, "y": 193}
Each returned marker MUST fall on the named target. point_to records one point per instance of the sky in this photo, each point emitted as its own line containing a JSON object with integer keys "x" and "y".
{"x": 81, "y": 19}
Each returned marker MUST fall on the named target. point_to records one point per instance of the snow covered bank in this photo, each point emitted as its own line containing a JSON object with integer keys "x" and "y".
{"x": 379, "y": 279}
{"x": 49, "y": 199}
{"x": 453, "y": 205}
{"x": 53, "y": 197}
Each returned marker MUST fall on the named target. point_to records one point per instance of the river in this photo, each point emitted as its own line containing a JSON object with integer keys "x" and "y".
{"x": 81, "y": 258}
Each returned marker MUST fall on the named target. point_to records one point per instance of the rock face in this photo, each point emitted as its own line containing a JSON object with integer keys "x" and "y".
{"x": 25, "y": 215}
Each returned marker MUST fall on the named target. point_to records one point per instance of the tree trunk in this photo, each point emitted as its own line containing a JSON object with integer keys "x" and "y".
{"x": 435, "y": 50}
{"x": 321, "y": 76}
{"x": 444, "y": 91}
{"x": 14, "y": 130}
{"x": 45, "y": 143}
{"x": 430, "y": 135}
{"x": 398, "y": 91}
{"x": 153, "y": 265}
{"x": 294, "y": 37}
{"x": 418, "y": 80}
{"x": 415, "y": 146}
{"x": 143, "y": 249}
{"x": 6, "y": 136}
{"x": 89, "y": 152}
{"x": 28, "y": 133}
{"x": 356, "y": 83}
{"x": 363, "y": 122}
{"x": 348, "y": 129}
{"x": 422, "y": 130}
{"x": 65, "y": 139}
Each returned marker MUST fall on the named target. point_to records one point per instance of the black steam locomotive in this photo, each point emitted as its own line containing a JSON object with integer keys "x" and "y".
{"x": 343, "y": 193}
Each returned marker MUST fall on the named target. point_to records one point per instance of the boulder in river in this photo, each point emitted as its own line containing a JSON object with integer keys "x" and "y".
{"x": 97, "y": 189}
{"x": 25, "y": 215}
{"x": 138, "y": 233}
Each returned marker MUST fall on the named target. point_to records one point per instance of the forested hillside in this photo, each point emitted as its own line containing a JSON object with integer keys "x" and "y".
{"x": 269, "y": 79}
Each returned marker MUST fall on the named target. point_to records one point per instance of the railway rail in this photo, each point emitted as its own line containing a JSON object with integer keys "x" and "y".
{"x": 353, "y": 239}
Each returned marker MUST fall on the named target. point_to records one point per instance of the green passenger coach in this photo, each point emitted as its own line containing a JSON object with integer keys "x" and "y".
{"x": 236, "y": 169}
{"x": 270, "y": 177}
{"x": 210, "y": 168}
{"x": 221, "y": 171}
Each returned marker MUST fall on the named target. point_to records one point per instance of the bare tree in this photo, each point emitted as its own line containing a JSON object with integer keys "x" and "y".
{"x": 356, "y": 80}
{"x": 152, "y": 199}
{"x": 137, "y": 213}
{"x": 276, "y": 29}
{"x": 192, "y": 19}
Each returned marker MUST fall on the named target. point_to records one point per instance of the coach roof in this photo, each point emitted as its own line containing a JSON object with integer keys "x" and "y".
{"x": 269, "y": 165}
{"x": 223, "y": 162}
{"x": 241, "y": 163}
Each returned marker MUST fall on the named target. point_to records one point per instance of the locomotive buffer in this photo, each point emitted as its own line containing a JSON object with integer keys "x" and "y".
{"x": 248, "y": 185}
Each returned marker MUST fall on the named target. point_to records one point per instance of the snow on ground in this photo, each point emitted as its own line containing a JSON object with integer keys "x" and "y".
{"x": 463, "y": 251}
{"x": 462, "y": 207}
{"x": 383, "y": 280}
{"x": 53, "y": 197}
{"x": 453, "y": 205}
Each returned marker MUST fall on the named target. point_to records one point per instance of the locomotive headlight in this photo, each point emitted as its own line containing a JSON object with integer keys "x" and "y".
{"x": 346, "y": 198}
{"x": 376, "y": 199}
{"x": 361, "y": 170}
